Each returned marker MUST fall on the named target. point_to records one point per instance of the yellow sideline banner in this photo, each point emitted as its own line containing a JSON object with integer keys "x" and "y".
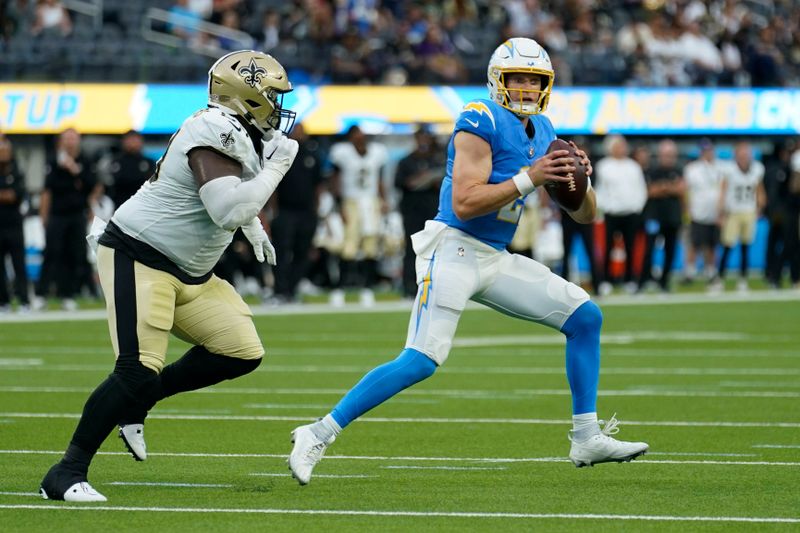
{"x": 328, "y": 110}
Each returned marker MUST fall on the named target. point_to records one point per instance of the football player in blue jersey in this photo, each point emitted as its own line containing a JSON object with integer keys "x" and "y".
{"x": 496, "y": 157}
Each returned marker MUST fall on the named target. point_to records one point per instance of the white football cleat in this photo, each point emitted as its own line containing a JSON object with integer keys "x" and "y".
{"x": 133, "y": 437}
{"x": 307, "y": 452}
{"x": 80, "y": 492}
{"x": 602, "y": 448}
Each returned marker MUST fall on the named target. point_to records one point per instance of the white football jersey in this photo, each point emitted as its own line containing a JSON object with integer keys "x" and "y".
{"x": 740, "y": 195}
{"x": 167, "y": 212}
{"x": 703, "y": 179}
{"x": 359, "y": 174}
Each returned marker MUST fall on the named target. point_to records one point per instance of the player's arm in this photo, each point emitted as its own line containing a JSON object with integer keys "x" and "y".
{"x": 231, "y": 202}
{"x": 587, "y": 212}
{"x": 761, "y": 197}
{"x": 474, "y": 196}
{"x": 723, "y": 190}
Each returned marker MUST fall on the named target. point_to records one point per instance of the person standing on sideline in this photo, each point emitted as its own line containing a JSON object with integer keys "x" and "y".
{"x": 155, "y": 260}
{"x": 621, "y": 196}
{"x": 12, "y": 242}
{"x": 295, "y": 207}
{"x": 419, "y": 176}
{"x": 69, "y": 189}
{"x": 742, "y": 197}
{"x": 129, "y": 169}
{"x": 703, "y": 181}
{"x": 663, "y": 211}
{"x": 359, "y": 166}
{"x": 777, "y": 173}
{"x": 495, "y": 158}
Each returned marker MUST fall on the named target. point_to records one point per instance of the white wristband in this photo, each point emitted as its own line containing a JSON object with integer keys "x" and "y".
{"x": 524, "y": 183}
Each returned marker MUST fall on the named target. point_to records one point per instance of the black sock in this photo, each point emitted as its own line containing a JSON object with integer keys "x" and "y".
{"x": 723, "y": 262}
{"x": 100, "y": 414}
{"x": 743, "y": 270}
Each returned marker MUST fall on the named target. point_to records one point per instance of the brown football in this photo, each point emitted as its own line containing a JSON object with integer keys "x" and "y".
{"x": 568, "y": 194}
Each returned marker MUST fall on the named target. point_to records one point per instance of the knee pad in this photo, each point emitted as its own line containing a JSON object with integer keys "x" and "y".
{"x": 586, "y": 318}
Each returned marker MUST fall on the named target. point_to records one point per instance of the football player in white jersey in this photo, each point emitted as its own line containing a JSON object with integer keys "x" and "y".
{"x": 703, "y": 182}
{"x": 156, "y": 255}
{"x": 359, "y": 165}
{"x": 742, "y": 197}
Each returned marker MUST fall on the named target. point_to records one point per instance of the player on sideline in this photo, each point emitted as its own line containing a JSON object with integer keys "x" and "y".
{"x": 496, "y": 156}
{"x": 156, "y": 255}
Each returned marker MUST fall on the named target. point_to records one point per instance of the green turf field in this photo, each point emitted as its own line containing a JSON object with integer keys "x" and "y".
{"x": 713, "y": 387}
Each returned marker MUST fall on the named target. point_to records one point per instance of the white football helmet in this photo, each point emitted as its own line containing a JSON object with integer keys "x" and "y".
{"x": 520, "y": 55}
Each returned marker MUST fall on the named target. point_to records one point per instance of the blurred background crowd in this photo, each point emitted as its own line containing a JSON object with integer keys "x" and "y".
{"x": 395, "y": 42}
{"x": 684, "y": 210}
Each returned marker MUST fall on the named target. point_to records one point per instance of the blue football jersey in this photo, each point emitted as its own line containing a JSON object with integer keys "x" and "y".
{"x": 512, "y": 151}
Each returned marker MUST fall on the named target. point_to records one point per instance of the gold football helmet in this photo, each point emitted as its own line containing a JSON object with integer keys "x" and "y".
{"x": 251, "y": 84}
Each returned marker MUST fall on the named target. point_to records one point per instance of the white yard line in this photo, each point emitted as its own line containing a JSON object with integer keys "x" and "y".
{"x": 26, "y": 494}
{"x": 415, "y": 467}
{"x": 778, "y": 446}
{"x": 431, "y": 420}
{"x": 459, "y": 394}
{"x": 405, "y": 306}
{"x": 282, "y": 456}
{"x": 702, "y": 454}
{"x": 422, "y": 514}
{"x": 454, "y": 369}
{"x": 330, "y": 476}
{"x": 166, "y": 484}
{"x": 4, "y": 362}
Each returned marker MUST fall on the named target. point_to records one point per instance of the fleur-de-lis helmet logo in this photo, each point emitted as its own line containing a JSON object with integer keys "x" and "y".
{"x": 252, "y": 73}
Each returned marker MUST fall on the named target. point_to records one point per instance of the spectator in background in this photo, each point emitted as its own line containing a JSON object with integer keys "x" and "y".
{"x": 230, "y": 20}
{"x": 12, "y": 243}
{"x": 270, "y": 34}
{"x": 777, "y": 171}
{"x": 742, "y": 197}
{"x": 438, "y": 54}
{"x": 359, "y": 165}
{"x": 419, "y": 176}
{"x": 703, "y": 182}
{"x": 183, "y": 21}
{"x": 70, "y": 186}
{"x": 621, "y": 194}
{"x": 51, "y": 16}
{"x": 129, "y": 169}
{"x": 665, "y": 190}
{"x": 294, "y": 205}
{"x": 349, "y": 59}
{"x": 792, "y": 242}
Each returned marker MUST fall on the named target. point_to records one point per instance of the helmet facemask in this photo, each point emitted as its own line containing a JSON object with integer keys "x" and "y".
{"x": 520, "y": 105}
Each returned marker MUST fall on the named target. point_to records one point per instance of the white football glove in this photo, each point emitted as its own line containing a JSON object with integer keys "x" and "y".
{"x": 278, "y": 152}
{"x": 255, "y": 233}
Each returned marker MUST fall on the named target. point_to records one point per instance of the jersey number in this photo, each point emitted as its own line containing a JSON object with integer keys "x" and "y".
{"x": 511, "y": 211}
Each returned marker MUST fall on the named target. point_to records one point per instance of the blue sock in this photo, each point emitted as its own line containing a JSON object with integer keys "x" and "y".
{"x": 382, "y": 383}
{"x": 582, "y": 329}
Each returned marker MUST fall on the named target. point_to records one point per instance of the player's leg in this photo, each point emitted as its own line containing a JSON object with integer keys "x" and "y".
{"x": 730, "y": 234}
{"x": 140, "y": 302}
{"x": 352, "y": 242}
{"x": 447, "y": 280}
{"x": 526, "y": 289}
{"x": 670, "y": 241}
{"x": 748, "y": 232}
{"x": 214, "y": 318}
